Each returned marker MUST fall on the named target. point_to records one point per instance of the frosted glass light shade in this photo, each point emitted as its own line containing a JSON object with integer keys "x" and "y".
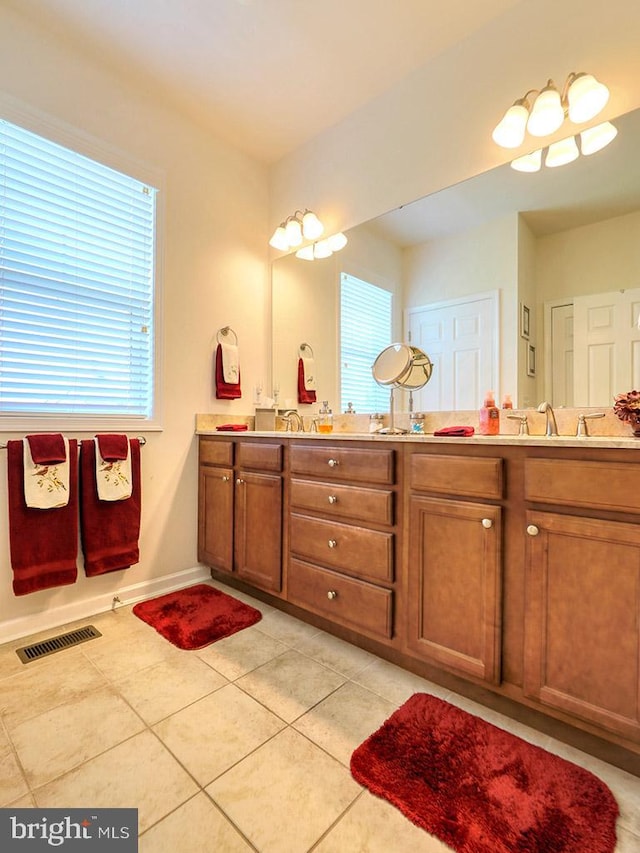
{"x": 312, "y": 228}
{"x": 596, "y": 138}
{"x": 509, "y": 133}
{"x": 294, "y": 232}
{"x": 547, "y": 114}
{"x": 587, "y": 97}
{"x": 529, "y": 162}
{"x": 322, "y": 249}
{"x": 279, "y": 239}
{"x": 562, "y": 152}
{"x": 337, "y": 241}
{"x": 306, "y": 253}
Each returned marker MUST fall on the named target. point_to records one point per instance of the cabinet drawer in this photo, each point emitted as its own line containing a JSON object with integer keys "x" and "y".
{"x": 456, "y": 475}
{"x": 349, "y": 502}
{"x": 265, "y": 457}
{"x": 332, "y": 462}
{"x": 354, "y": 550}
{"x": 350, "y": 602}
{"x": 216, "y": 452}
{"x": 601, "y": 485}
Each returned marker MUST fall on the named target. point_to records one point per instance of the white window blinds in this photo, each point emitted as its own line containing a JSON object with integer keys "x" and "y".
{"x": 365, "y": 329}
{"x": 76, "y": 283}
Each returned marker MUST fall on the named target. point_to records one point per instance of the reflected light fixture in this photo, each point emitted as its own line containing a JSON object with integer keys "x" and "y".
{"x": 595, "y": 138}
{"x": 562, "y": 152}
{"x": 323, "y": 248}
{"x": 542, "y": 111}
{"x": 303, "y": 225}
{"x": 567, "y": 150}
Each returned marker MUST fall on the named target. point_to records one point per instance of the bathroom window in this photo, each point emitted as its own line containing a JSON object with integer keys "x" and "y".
{"x": 77, "y": 280}
{"x": 365, "y": 329}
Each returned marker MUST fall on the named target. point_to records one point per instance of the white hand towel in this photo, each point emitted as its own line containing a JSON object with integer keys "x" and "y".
{"x": 113, "y": 479}
{"x": 230, "y": 363}
{"x": 46, "y": 486}
{"x": 309, "y": 367}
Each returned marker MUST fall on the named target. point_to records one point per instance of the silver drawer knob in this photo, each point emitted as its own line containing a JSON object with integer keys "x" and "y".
{"x": 239, "y": 481}
{"x": 487, "y": 523}
{"x": 532, "y": 530}
{"x": 225, "y": 478}
{"x": 332, "y": 463}
{"x": 333, "y": 499}
{"x": 332, "y": 543}
{"x": 332, "y": 594}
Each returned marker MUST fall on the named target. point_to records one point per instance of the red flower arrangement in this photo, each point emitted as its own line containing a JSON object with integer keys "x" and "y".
{"x": 627, "y": 408}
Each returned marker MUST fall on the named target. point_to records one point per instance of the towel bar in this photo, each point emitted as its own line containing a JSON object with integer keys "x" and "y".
{"x": 140, "y": 438}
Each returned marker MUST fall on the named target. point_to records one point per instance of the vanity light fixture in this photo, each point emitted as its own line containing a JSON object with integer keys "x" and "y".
{"x": 323, "y": 248}
{"x": 301, "y": 226}
{"x": 567, "y": 150}
{"x": 542, "y": 111}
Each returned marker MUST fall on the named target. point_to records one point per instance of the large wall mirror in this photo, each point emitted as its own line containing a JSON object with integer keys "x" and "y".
{"x": 547, "y": 265}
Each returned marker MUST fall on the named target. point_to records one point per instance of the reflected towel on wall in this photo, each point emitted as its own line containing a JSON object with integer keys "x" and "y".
{"x": 43, "y": 543}
{"x": 306, "y": 380}
{"x": 113, "y": 467}
{"x": 109, "y": 529}
{"x": 227, "y": 365}
{"x": 46, "y": 471}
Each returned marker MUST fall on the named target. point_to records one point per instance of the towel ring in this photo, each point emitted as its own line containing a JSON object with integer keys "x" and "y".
{"x": 224, "y": 331}
{"x": 302, "y": 349}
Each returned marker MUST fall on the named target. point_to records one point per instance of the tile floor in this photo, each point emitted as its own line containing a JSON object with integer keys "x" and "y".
{"x": 241, "y": 746}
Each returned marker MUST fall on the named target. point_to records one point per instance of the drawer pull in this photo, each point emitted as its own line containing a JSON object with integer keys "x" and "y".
{"x": 333, "y": 499}
{"x": 532, "y": 530}
{"x": 225, "y": 478}
{"x": 239, "y": 481}
{"x": 487, "y": 523}
{"x": 332, "y": 543}
{"x": 332, "y": 594}
{"x": 332, "y": 463}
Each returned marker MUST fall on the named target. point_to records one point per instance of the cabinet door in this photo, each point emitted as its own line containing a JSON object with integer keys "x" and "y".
{"x": 582, "y": 638}
{"x": 215, "y": 518}
{"x": 455, "y": 577}
{"x": 258, "y": 529}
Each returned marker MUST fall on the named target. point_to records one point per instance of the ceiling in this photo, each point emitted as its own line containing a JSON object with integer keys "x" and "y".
{"x": 265, "y": 75}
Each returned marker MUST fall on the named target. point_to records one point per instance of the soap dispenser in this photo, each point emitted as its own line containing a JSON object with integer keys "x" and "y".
{"x": 489, "y": 416}
{"x": 325, "y": 418}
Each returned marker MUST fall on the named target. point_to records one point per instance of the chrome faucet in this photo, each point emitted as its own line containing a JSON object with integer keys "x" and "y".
{"x": 552, "y": 427}
{"x": 293, "y": 417}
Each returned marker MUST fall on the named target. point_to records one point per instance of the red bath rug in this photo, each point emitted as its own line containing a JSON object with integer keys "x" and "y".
{"x": 480, "y": 789}
{"x": 197, "y": 616}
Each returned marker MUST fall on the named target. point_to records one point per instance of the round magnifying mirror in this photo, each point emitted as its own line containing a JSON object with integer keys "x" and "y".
{"x": 419, "y": 370}
{"x": 391, "y": 364}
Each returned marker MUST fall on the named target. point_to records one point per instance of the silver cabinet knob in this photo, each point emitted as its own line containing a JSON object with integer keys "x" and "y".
{"x": 332, "y": 594}
{"x": 332, "y": 543}
{"x": 487, "y": 523}
{"x": 225, "y": 478}
{"x": 332, "y": 463}
{"x": 532, "y": 530}
{"x": 333, "y": 499}
{"x": 239, "y": 481}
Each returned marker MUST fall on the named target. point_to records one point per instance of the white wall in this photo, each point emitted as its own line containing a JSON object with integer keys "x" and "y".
{"x": 528, "y": 386}
{"x": 215, "y": 273}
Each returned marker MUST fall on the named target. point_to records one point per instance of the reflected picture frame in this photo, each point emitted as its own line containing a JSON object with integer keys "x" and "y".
{"x": 525, "y": 321}
{"x": 531, "y": 360}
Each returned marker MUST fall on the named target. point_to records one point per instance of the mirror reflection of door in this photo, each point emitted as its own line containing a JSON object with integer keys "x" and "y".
{"x": 460, "y": 336}
{"x": 595, "y": 348}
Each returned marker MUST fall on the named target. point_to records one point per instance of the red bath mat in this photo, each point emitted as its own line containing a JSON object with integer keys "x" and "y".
{"x": 480, "y": 789}
{"x": 197, "y": 616}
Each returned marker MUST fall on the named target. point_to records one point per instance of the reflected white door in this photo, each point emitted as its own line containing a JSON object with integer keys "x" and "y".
{"x": 460, "y": 336}
{"x": 562, "y": 359}
{"x": 606, "y": 346}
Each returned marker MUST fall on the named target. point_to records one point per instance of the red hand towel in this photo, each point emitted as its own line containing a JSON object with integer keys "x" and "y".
{"x": 304, "y": 396}
{"x": 43, "y": 543}
{"x": 113, "y": 446}
{"x": 232, "y": 427}
{"x": 455, "y": 430}
{"x": 109, "y": 529}
{"x": 47, "y": 448}
{"x": 225, "y": 390}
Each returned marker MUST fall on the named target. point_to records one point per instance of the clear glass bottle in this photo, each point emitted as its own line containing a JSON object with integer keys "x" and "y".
{"x": 416, "y": 420}
{"x": 376, "y": 422}
{"x": 325, "y": 418}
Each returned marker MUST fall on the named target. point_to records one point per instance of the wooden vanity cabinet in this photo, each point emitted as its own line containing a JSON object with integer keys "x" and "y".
{"x": 455, "y": 563}
{"x": 582, "y": 620}
{"x": 240, "y": 510}
{"x": 342, "y": 535}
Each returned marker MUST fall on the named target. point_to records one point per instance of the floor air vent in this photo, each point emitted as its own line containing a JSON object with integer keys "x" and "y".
{"x": 57, "y": 644}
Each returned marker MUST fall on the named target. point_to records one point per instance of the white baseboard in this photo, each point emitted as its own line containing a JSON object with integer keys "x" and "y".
{"x": 24, "y": 626}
